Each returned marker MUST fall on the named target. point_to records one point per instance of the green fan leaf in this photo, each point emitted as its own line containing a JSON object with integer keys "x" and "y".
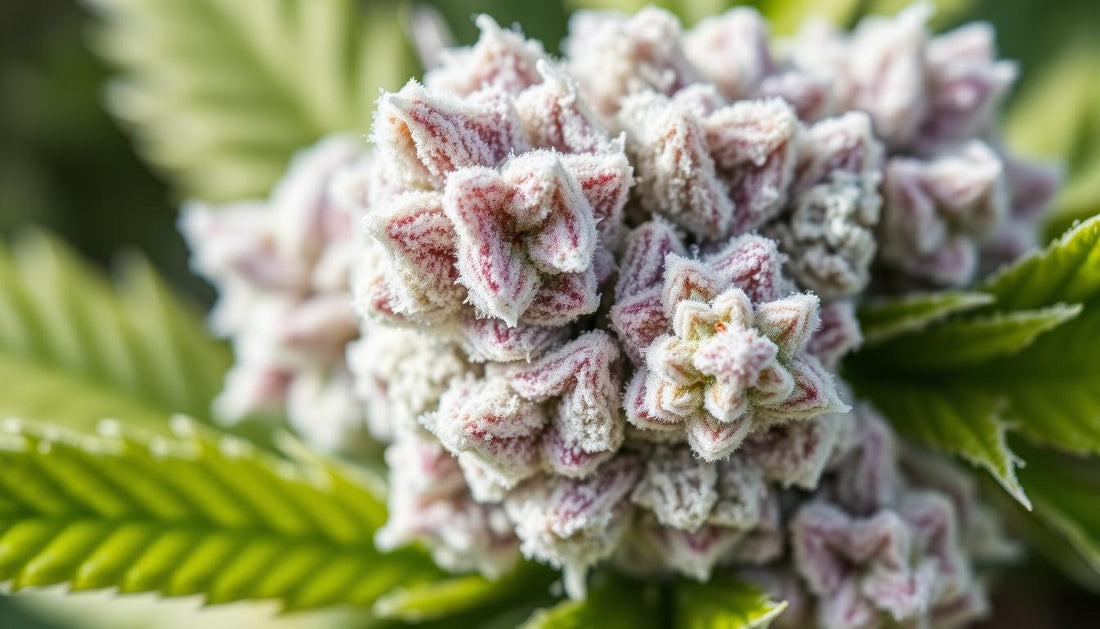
{"x": 969, "y": 341}
{"x": 885, "y": 319}
{"x": 221, "y": 93}
{"x": 955, "y": 418}
{"x": 1027, "y": 359}
{"x": 1051, "y": 386}
{"x": 1068, "y": 271}
{"x": 724, "y": 602}
{"x": 75, "y": 348}
{"x": 614, "y": 603}
{"x": 196, "y": 513}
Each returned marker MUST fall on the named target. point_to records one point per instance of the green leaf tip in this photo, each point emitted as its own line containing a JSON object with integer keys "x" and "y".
{"x": 1066, "y": 271}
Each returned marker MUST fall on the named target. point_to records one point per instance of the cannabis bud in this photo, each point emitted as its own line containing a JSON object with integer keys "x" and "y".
{"x": 602, "y": 301}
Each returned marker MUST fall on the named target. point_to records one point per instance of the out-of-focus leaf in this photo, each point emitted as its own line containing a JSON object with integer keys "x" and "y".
{"x": 785, "y": 17}
{"x": 947, "y": 12}
{"x": 458, "y": 595}
{"x": 75, "y": 348}
{"x": 1057, "y": 117}
{"x": 221, "y": 93}
{"x": 1047, "y": 117}
{"x": 724, "y": 602}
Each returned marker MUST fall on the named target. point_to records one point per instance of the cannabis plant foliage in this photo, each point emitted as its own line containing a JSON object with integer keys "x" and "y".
{"x": 221, "y": 93}
{"x": 685, "y": 325}
{"x": 76, "y": 347}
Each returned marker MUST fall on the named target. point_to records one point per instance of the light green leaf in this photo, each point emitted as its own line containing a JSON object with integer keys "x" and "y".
{"x": 75, "y": 348}
{"x": 950, "y": 416}
{"x": 969, "y": 341}
{"x": 1026, "y": 360}
{"x": 1068, "y": 271}
{"x": 221, "y": 93}
{"x": 192, "y": 514}
{"x": 785, "y": 17}
{"x": 613, "y": 604}
{"x": 1047, "y": 118}
{"x": 724, "y": 602}
{"x": 884, "y": 319}
{"x": 1052, "y": 387}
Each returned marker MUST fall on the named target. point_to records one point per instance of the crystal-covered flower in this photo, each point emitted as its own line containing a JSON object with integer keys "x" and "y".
{"x": 430, "y": 503}
{"x": 281, "y": 267}
{"x": 574, "y": 523}
{"x": 713, "y": 169}
{"x": 828, "y": 231}
{"x": 689, "y": 419}
{"x": 560, "y": 414}
{"x": 512, "y": 194}
{"x": 937, "y": 211}
{"x": 730, "y": 356}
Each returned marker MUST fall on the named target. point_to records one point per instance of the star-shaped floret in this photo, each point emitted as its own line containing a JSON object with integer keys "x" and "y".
{"x": 728, "y": 366}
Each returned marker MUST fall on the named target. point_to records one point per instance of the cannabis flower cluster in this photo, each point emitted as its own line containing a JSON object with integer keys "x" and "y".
{"x": 595, "y": 305}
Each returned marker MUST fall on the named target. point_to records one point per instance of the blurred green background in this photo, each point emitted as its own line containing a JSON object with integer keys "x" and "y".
{"x": 68, "y": 165}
